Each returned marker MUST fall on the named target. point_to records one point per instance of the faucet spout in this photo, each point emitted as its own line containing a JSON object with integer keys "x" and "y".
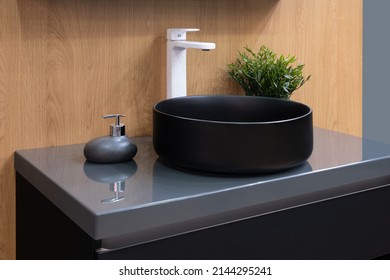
{"x": 194, "y": 45}
{"x": 177, "y": 60}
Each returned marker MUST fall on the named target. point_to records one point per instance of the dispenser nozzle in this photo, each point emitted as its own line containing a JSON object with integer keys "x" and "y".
{"x": 116, "y": 129}
{"x": 116, "y": 116}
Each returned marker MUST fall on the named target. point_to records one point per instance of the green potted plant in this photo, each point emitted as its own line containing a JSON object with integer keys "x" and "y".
{"x": 263, "y": 73}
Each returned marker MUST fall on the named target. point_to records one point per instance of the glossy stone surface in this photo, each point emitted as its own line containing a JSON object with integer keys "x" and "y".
{"x": 160, "y": 201}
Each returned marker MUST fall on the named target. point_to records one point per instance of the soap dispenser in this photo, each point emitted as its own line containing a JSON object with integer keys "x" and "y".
{"x": 116, "y": 147}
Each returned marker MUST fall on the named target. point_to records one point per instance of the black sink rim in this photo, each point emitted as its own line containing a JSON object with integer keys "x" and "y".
{"x": 304, "y": 106}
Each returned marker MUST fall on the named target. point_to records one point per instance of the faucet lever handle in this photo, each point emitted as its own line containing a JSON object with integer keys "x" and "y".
{"x": 179, "y": 34}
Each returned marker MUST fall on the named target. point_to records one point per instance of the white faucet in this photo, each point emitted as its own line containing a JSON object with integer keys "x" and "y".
{"x": 177, "y": 59}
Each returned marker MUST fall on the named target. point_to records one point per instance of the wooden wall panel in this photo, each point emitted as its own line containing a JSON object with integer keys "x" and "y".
{"x": 5, "y": 225}
{"x": 63, "y": 63}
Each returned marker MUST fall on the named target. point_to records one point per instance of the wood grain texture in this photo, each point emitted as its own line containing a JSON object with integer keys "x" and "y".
{"x": 5, "y": 224}
{"x": 63, "y": 64}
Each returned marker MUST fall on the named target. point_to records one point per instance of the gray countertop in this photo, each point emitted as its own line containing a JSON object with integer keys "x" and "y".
{"x": 160, "y": 201}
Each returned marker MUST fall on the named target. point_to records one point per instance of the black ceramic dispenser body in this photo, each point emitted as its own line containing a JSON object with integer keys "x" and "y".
{"x": 116, "y": 147}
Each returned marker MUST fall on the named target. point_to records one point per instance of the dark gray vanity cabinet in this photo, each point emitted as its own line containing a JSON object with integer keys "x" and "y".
{"x": 44, "y": 232}
{"x": 353, "y": 226}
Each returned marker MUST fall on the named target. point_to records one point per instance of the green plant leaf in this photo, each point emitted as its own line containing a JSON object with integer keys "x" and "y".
{"x": 264, "y": 73}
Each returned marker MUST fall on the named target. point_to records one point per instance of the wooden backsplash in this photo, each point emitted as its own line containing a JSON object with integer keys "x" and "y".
{"x": 64, "y": 63}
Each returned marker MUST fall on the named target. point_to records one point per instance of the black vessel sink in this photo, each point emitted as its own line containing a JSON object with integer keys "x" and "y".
{"x": 232, "y": 134}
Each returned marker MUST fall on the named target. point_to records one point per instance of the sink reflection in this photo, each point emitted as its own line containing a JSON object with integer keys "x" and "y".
{"x": 170, "y": 183}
